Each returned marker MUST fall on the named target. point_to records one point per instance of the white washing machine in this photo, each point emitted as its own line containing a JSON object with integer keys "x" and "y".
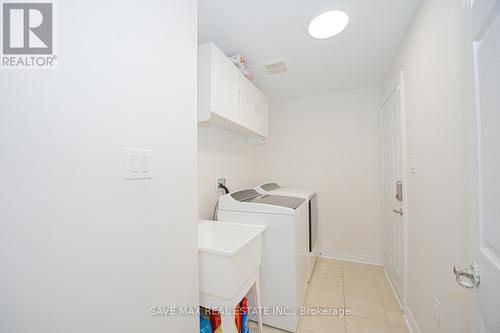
{"x": 283, "y": 277}
{"x": 312, "y": 217}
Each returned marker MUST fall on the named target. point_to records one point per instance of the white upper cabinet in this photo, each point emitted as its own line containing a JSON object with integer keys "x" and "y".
{"x": 246, "y": 97}
{"x": 226, "y": 97}
{"x": 225, "y": 83}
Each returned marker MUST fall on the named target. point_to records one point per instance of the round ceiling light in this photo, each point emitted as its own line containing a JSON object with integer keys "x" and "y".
{"x": 328, "y": 24}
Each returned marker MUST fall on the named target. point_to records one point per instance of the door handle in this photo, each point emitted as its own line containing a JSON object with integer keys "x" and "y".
{"x": 398, "y": 211}
{"x": 468, "y": 277}
{"x": 399, "y": 190}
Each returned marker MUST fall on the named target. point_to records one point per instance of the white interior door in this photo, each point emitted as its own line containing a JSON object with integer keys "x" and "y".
{"x": 393, "y": 185}
{"x": 483, "y": 44}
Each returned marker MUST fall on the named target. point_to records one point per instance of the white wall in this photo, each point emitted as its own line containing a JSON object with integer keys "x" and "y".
{"x": 223, "y": 154}
{"x": 438, "y": 212}
{"x": 330, "y": 143}
{"x": 81, "y": 249}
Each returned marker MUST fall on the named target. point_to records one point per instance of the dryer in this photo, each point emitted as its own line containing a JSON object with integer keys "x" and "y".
{"x": 312, "y": 216}
{"x": 283, "y": 275}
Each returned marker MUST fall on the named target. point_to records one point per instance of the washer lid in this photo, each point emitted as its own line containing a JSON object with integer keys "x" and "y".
{"x": 245, "y": 195}
{"x": 252, "y": 201}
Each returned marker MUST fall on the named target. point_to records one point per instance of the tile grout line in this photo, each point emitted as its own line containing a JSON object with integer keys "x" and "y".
{"x": 343, "y": 295}
{"x": 379, "y": 287}
{"x": 306, "y": 303}
{"x": 391, "y": 325}
{"x": 381, "y": 301}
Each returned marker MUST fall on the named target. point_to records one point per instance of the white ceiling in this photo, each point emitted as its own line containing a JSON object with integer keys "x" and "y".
{"x": 264, "y": 30}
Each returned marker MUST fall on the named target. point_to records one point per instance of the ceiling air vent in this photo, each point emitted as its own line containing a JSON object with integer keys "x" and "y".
{"x": 275, "y": 66}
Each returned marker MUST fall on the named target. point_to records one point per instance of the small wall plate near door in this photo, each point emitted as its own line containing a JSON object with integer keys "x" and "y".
{"x": 413, "y": 164}
{"x": 436, "y": 315}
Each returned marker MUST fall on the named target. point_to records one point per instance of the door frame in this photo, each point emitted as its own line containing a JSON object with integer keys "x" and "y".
{"x": 398, "y": 85}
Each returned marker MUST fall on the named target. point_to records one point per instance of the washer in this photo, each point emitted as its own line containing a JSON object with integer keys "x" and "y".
{"x": 283, "y": 277}
{"x": 312, "y": 216}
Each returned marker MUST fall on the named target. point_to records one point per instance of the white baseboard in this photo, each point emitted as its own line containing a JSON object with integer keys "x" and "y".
{"x": 360, "y": 258}
{"x": 410, "y": 321}
{"x": 400, "y": 301}
{"x": 408, "y": 317}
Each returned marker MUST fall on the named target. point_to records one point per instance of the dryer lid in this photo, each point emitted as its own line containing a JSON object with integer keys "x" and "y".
{"x": 273, "y": 200}
{"x": 270, "y": 186}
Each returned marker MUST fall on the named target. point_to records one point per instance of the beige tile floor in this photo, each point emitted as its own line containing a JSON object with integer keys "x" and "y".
{"x": 364, "y": 289}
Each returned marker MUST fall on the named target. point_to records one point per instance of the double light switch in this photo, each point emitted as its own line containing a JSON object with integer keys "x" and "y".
{"x": 137, "y": 163}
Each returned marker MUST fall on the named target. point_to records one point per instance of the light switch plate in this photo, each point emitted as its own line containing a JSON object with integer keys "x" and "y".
{"x": 413, "y": 164}
{"x": 137, "y": 163}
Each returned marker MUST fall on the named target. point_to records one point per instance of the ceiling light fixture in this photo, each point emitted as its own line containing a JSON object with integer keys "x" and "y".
{"x": 328, "y": 24}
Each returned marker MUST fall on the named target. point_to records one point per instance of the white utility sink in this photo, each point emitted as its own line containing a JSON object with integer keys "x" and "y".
{"x": 230, "y": 254}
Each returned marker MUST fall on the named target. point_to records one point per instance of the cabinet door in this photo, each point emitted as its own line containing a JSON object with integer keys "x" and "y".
{"x": 246, "y": 92}
{"x": 261, "y": 114}
{"x": 225, "y": 86}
